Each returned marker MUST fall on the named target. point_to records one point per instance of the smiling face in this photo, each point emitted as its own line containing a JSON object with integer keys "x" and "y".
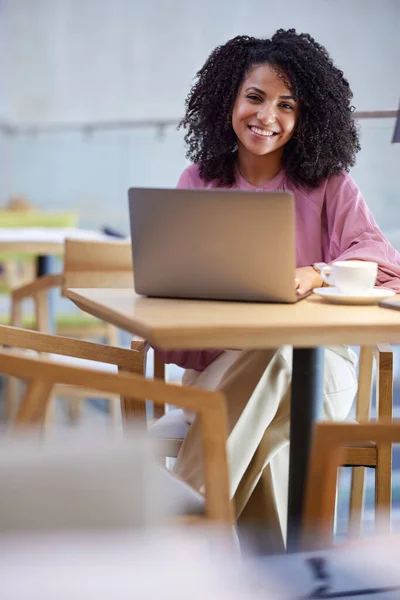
{"x": 264, "y": 114}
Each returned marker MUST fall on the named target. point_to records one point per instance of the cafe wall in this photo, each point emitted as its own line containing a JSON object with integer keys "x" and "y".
{"x": 95, "y": 90}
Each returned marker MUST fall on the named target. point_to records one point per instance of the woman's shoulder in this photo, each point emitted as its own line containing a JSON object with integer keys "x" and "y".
{"x": 190, "y": 178}
{"x": 335, "y": 186}
{"x": 342, "y": 181}
{"x": 342, "y": 193}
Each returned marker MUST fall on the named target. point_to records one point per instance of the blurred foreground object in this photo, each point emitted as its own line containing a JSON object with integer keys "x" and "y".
{"x": 80, "y": 482}
{"x": 163, "y": 564}
{"x": 177, "y": 564}
{"x": 42, "y": 375}
{"x": 103, "y": 264}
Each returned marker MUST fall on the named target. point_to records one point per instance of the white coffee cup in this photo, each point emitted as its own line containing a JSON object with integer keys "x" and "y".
{"x": 351, "y": 276}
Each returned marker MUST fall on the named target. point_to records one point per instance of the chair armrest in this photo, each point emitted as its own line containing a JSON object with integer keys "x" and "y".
{"x": 210, "y": 405}
{"x": 46, "y": 282}
{"x": 16, "y": 337}
{"x": 42, "y": 375}
{"x": 383, "y": 354}
{"x": 139, "y": 345}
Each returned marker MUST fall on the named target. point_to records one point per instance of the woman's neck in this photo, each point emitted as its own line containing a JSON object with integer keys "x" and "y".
{"x": 258, "y": 170}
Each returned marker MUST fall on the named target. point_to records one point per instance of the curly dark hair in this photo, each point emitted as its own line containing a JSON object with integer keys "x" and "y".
{"x": 326, "y": 136}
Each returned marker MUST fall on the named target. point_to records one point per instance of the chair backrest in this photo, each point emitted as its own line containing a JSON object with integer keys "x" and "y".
{"x": 97, "y": 264}
{"x": 330, "y": 440}
{"x": 41, "y": 375}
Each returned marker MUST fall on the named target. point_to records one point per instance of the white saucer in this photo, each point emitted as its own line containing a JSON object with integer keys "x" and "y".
{"x": 332, "y": 294}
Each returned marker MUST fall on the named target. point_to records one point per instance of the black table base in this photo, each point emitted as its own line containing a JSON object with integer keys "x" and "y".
{"x": 306, "y": 408}
{"x": 44, "y": 266}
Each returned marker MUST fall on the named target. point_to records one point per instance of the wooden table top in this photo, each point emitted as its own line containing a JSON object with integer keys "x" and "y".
{"x": 44, "y": 240}
{"x": 172, "y": 324}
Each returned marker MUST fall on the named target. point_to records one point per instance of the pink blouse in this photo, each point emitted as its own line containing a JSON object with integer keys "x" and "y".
{"x": 333, "y": 222}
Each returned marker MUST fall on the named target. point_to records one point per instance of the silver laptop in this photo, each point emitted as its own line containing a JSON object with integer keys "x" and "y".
{"x": 213, "y": 244}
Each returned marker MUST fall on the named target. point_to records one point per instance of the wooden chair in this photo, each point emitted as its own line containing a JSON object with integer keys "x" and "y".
{"x": 89, "y": 353}
{"x": 371, "y": 454}
{"x": 330, "y": 444}
{"x": 172, "y": 427}
{"x": 86, "y": 264}
{"x": 42, "y": 375}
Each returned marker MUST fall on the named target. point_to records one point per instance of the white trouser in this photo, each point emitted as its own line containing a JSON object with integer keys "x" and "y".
{"x": 256, "y": 384}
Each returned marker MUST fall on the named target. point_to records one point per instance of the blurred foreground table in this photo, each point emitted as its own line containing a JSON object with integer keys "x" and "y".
{"x": 308, "y": 326}
{"x": 43, "y": 241}
{"x": 120, "y": 565}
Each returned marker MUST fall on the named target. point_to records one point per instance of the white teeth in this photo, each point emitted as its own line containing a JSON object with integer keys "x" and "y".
{"x": 262, "y": 132}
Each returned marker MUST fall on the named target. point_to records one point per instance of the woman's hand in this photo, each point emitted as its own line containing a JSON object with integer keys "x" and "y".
{"x": 307, "y": 278}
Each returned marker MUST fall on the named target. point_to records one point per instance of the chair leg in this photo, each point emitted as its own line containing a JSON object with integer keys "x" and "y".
{"x": 159, "y": 373}
{"x": 383, "y": 489}
{"x": 42, "y": 311}
{"x": 319, "y": 509}
{"x": 130, "y": 407}
{"x": 74, "y": 409}
{"x": 114, "y": 405}
{"x": 356, "y": 501}
{"x": 11, "y": 398}
{"x": 16, "y": 313}
{"x": 12, "y": 384}
{"x": 11, "y": 274}
{"x": 383, "y": 474}
{"x": 32, "y": 408}
{"x": 49, "y": 416}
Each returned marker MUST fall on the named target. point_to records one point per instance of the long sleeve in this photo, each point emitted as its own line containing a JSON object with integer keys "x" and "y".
{"x": 353, "y": 233}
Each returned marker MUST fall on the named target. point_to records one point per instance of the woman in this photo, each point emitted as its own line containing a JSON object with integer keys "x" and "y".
{"x": 276, "y": 115}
